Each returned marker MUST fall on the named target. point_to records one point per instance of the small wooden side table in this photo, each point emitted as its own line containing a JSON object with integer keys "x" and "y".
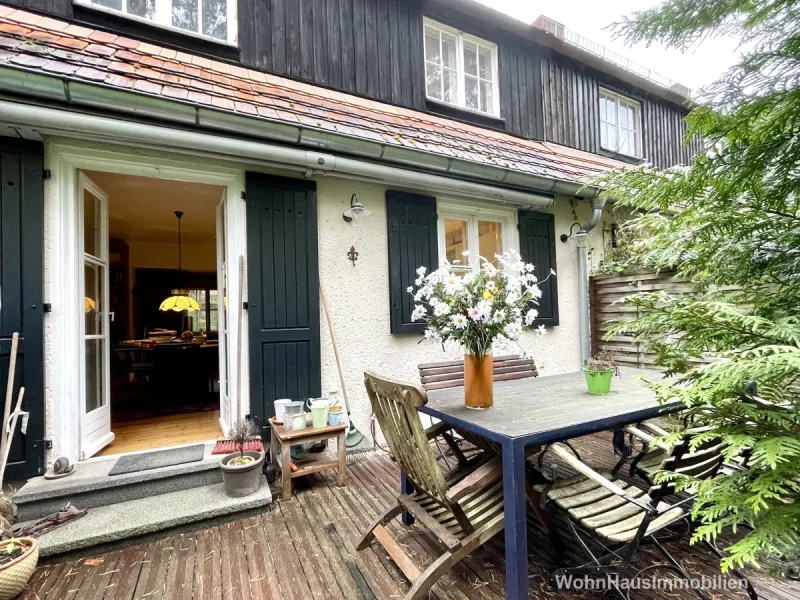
{"x": 282, "y": 441}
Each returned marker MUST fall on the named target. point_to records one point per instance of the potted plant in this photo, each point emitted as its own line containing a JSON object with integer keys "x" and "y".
{"x": 241, "y": 471}
{"x": 481, "y": 310}
{"x": 598, "y": 371}
{"x": 18, "y": 558}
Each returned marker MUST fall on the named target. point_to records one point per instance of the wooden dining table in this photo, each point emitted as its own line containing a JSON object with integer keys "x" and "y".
{"x": 536, "y": 412}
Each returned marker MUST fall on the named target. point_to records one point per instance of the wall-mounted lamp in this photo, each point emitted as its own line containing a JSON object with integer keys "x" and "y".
{"x": 572, "y": 233}
{"x": 356, "y": 212}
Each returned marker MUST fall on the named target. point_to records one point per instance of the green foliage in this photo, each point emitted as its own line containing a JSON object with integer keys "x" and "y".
{"x": 730, "y": 223}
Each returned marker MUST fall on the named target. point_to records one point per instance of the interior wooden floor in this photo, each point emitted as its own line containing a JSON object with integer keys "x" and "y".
{"x": 166, "y": 430}
{"x": 304, "y": 549}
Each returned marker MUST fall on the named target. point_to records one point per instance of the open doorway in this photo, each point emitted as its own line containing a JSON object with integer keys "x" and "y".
{"x": 153, "y": 372}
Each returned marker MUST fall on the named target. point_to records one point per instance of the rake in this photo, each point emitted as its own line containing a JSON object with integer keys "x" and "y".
{"x": 357, "y": 445}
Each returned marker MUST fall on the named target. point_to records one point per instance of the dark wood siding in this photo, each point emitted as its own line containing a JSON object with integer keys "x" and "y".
{"x": 571, "y": 112}
{"x": 374, "y": 48}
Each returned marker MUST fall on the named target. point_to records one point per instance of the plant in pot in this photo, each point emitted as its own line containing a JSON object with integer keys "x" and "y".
{"x": 241, "y": 471}
{"x": 599, "y": 370}
{"x": 480, "y": 309}
{"x": 18, "y": 558}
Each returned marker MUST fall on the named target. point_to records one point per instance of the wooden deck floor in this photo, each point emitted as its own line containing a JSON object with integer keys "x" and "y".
{"x": 304, "y": 549}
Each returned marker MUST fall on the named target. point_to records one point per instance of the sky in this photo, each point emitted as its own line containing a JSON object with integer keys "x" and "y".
{"x": 698, "y": 67}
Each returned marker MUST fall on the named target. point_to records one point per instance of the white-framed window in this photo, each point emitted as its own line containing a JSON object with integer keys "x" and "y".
{"x": 480, "y": 231}
{"x": 210, "y": 19}
{"x": 460, "y": 69}
{"x": 207, "y": 318}
{"x": 620, "y": 124}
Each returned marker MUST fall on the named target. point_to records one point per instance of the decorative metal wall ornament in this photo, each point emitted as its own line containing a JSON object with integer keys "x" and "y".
{"x": 352, "y": 255}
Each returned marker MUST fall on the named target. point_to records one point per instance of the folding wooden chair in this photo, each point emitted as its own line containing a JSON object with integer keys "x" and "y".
{"x": 618, "y": 517}
{"x": 450, "y": 374}
{"x": 462, "y": 510}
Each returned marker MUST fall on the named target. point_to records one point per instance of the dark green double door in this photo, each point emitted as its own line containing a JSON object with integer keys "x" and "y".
{"x": 282, "y": 292}
{"x": 21, "y": 308}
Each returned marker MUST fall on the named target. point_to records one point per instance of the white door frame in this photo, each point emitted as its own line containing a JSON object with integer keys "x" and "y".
{"x": 96, "y": 425}
{"x": 64, "y": 265}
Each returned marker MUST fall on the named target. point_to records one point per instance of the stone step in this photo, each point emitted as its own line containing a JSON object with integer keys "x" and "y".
{"x": 139, "y": 518}
{"x": 91, "y": 486}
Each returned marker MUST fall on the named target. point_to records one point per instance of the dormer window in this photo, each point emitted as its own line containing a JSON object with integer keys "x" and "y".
{"x": 460, "y": 69}
{"x": 211, "y": 19}
{"x": 620, "y": 124}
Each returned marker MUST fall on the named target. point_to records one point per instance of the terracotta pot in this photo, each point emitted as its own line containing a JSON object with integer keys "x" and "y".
{"x": 478, "y": 384}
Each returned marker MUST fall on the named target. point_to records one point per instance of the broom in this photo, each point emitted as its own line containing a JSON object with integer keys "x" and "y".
{"x": 356, "y": 443}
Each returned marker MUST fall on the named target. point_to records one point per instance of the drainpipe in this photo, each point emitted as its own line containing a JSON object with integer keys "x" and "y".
{"x": 582, "y": 237}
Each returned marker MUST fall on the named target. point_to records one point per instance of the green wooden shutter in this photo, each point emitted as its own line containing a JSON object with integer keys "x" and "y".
{"x": 411, "y": 220}
{"x": 537, "y": 241}
{"x": 21, "y": 294}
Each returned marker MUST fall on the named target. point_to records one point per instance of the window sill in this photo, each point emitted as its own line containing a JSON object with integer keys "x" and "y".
{"x": 634, "y": 160}
{"x": 467, "y": 115}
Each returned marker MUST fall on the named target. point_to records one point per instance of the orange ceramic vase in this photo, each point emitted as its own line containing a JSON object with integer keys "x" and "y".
{"x": 478, "y": 392}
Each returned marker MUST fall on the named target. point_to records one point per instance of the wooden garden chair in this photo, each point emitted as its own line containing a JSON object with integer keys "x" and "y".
{"x": 450, "y": 374}
{"x": 462, "y": 510}
{"x": 617, "y": 518}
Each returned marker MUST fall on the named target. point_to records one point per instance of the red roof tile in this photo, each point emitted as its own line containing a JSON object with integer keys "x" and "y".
{"x": 36, "y": 43}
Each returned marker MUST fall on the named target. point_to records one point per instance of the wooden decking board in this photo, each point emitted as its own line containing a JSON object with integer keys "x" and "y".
{"x": 304, "y": 549}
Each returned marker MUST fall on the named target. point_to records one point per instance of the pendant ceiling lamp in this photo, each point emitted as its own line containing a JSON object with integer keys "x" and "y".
{"x": 180, "y": 299}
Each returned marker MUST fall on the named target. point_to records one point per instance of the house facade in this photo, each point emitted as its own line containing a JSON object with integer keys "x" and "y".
{"x": 455, "y": 127}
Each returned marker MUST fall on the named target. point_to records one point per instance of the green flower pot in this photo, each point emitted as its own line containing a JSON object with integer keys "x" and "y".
{"x": 598, "y": 382}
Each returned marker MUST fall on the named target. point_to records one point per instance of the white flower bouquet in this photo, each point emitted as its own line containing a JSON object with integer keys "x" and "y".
{"x": 481, "y": 309}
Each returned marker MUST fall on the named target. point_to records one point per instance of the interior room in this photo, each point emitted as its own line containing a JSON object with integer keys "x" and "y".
{"x": 163, "y": 304}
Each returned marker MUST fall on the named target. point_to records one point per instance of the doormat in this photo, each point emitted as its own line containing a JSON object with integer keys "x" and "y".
{"x": 155, "y": 460}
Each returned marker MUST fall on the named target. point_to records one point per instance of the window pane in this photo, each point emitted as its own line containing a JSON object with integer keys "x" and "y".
{"x": 432, "y": 53}
{"x": 449, "y": 58}
{"x": 487, "y": 97}
{"x": 214, "y": 299}
{"x": 490, "y": 240}
{"x": 603, "y": 110}
{"x": 612, "y": 138}
{"x": 92, "y": 307}
{"x": 115, "y": 4}
{"x": 91, "y": 223}
{"x": 433, "y": 81}
{"x": 623, "y": 142}
{"x": 485, "y": 63}
{"x": 450, "y": 86}
{"x": 611, "y": 111}
{"x": 623, "y": 117}
{"x": 142, "y": 8}
{"x": 456, "y": 236}
{"x": 471, "y": 93}
{"x": 215, "y": 18}
{"x": 470, "y": 58}
{"x": 94, "y": 374}
{"x": 184, "y": 14}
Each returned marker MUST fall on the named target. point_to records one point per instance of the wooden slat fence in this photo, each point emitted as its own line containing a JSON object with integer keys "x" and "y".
{"x": 606, "y": 293}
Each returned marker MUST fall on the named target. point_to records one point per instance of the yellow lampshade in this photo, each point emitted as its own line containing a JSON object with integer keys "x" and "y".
{"x": 179, "y": 301}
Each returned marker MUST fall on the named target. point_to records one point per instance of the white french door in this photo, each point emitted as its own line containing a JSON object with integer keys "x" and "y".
{"x": 95, "y": 421}
{"x": 222, "y": 311}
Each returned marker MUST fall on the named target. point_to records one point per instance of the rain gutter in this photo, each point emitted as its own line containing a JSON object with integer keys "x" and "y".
{"x": 196, "y": 129}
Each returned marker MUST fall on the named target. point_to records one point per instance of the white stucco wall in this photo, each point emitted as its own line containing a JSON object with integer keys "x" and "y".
{"x": 358, "y": 297}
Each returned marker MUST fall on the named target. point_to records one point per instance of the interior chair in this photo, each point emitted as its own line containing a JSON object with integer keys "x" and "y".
{"x": 616, "y": 518}
{"x": 462, "y": 510}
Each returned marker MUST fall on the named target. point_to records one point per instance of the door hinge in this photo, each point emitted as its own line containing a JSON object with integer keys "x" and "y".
{"x": 244, "y": 195}
{"x": 47, "y": 307}
{"x": 47, "y": 174}
{"x": 48, "y": 444}
{"x": 244, "y": 305}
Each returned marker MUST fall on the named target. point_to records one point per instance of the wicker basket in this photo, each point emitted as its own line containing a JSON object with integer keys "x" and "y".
{"x": 14, "y": 576}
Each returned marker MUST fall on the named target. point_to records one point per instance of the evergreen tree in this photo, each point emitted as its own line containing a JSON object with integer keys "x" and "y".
{"x": 730, "y": 223}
